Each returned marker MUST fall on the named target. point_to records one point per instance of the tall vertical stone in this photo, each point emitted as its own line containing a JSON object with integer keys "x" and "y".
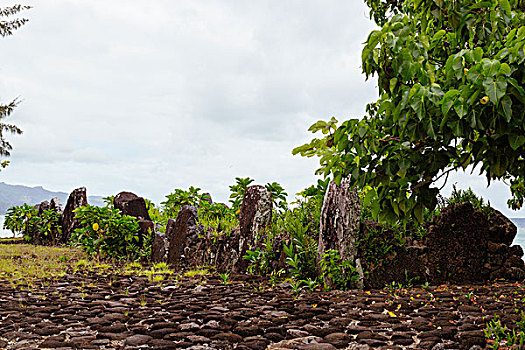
{"x": 255, "y": 218}
{"x": 178, "y": 231}
{"x": 159, "y": 247}
{"x": 340, "y": 221}
{"x": 77, "y": 198}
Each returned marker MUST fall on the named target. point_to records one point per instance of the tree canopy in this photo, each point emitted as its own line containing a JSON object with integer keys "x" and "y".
{"x": 8, "y": 27}
{"x": 451, "y": 96}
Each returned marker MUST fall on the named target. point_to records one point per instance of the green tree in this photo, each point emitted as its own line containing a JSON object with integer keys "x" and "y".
{"x": 451, "y": 80}
{"x": 8, "y": 27}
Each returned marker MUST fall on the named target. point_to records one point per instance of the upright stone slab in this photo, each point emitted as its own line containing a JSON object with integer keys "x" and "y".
{"x": 340, "y": 221}
{"x": 179, "y": 231}
{"x": 254, "y": 219}
{"x": 77, "y": 198}
{"x": 130, "y": 204}
{"x": 159, "y": 247}
{"x": 56, "y": 205}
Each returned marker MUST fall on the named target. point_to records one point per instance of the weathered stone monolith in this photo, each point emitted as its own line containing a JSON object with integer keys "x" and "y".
{"x": 159, "y": 248}
{"x": 340, "y": 222}
{"x": 56, "y": 205}
{"x": 131, "y": 204}
{"x": 179, "y": 231}
{"x": 254, "y": 219}
{"x": 77, "y": 198}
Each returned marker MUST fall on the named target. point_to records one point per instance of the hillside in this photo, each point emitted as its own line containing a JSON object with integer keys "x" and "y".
{"x": 11, "y": 195}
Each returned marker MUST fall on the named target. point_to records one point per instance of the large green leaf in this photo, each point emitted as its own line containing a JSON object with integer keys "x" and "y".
{"x": 506, "y": 103}
{"x": 490, "y": 67}
{"x": 495, "y": 89}
{"x": 516, "y": 141}
{"x": 448, "y": 100}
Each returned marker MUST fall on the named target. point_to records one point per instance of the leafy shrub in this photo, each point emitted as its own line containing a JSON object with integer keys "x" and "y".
{"x": 377, "y": 242}
{"x": 261, "y": 259}
{"x": 238, "y": 190}
{"x": 302, "y": 251}
{"x": 278, "y": 196}
{"x": 21, "y": 219}
{"x": 104, "y": 231}
{"x": 48, "y": 226}
{"x": 179, "y": 198}
{"x": 468, "y": 196}
{"x": 157, "y": 215}
{"x": 336, "y": 272}
{"x": 42, "y": 229}
{"x": 277, "y": 193}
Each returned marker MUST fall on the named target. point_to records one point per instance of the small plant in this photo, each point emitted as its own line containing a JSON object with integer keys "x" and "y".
{"x": 502, "y": 337}
{"x": 302, "y": 252}
{"x": 336, "y": 272}
{"x": 296, "y": 286}
{"x": 259, "y": 260}
{"x": 134, "y": 265}
{"x": 161, "y": 266}
{"x": 82, "y": 264}
{"x": 237, "y": 192}
{"x": 158, "y": 278}
{"x": 225, "y": 277}
{"x": 278, "y": 196}
{"x": 310, "y": 284}
{"x": 275, "y": 277}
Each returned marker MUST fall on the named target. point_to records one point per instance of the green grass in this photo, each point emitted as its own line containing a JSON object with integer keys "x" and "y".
{"x": 28, "y": 262}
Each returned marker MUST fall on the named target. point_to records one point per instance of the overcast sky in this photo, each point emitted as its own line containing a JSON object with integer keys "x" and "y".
{"x": 149, "y": 96}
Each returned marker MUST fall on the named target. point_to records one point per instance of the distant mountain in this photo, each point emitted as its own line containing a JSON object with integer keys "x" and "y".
{"x": 11, "y": 195}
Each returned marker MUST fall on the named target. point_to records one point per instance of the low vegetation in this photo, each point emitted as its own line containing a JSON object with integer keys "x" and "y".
{"x": 107, "y": 235}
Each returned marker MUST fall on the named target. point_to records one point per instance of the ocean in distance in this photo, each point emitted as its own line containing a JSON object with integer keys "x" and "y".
{"x": 519, "y": 222}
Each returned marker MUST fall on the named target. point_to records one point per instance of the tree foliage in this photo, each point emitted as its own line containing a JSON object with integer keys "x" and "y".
{"x": 7, "y": 27}
{"x": 451, "y": 96}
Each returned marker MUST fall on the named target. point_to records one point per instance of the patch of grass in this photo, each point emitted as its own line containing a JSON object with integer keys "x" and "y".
{"x": 197, "y": 272}
{"x": 499, "y": 336}
{"x": 29, "y": 262}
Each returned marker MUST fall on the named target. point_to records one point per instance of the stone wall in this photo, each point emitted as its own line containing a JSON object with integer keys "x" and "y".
{"x": 462, "y": 245}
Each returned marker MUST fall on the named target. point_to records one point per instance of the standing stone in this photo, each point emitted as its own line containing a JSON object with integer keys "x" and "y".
{"x": 340, "y": 222}
{"x": 77, "y": 198}
{"x": 130, "y": 204}
{"x": 159, "y": 248}
{"x": 255, "y": 218}
{"x": 41, "y": 207}
{"x": 179, "y": 231}
{"x": 56, "y": 205}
